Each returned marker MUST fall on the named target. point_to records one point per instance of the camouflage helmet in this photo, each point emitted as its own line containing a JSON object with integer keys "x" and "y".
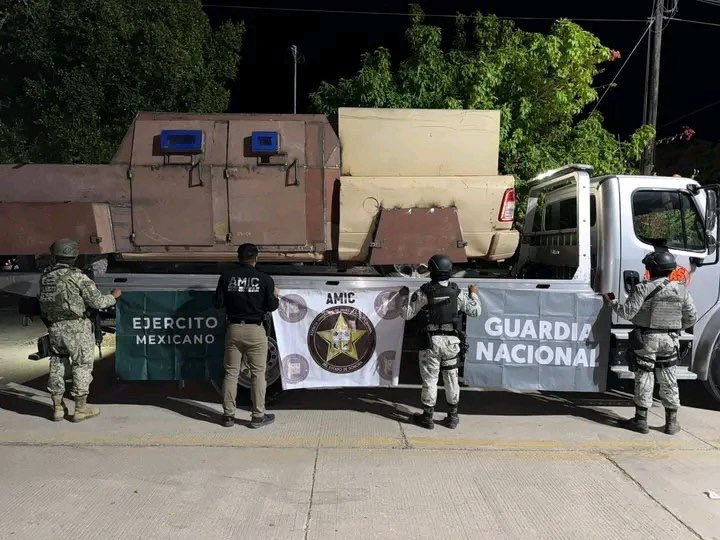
{"x": 65, "y": 248}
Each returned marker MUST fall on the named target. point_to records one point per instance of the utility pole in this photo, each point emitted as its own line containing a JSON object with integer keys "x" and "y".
{"x": 652, "y": 101}
{"x": 294, "y": 52}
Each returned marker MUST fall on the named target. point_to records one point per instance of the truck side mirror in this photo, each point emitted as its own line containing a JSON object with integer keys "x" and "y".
{"x": 712, "y": 243}
{"x": 711, "y": 209}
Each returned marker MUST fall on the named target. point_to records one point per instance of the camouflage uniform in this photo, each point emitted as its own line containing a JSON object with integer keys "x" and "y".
{"x": 444, "y": 351}
{"x": 660, "y": 320}
{"x": 65, "y": 295}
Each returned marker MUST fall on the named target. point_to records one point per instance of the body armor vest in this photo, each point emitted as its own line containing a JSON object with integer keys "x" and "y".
{"x": 662, "y": 310}
{"x": 442, "y": 306}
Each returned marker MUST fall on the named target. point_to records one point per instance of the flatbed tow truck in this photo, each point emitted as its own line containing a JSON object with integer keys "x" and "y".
{"x": 544, "y": 326}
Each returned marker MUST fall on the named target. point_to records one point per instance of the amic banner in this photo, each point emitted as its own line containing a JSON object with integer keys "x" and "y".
{"x": 335, "y": 338}
{"x": 166, "y": 336}
{"x": 538, "y": 340}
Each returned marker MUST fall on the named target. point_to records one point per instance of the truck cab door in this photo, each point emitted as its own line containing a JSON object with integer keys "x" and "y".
{"x": 669, "y": 217}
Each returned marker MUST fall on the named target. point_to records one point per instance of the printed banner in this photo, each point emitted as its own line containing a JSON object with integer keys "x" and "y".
{"x": 167, "y": 336}
{"x": 339, "y": 338}
{"x": 539, "y": 340}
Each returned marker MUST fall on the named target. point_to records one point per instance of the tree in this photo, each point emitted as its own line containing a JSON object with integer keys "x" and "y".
{"x": 75, "y": 72}
{"x": 540, "y": 83}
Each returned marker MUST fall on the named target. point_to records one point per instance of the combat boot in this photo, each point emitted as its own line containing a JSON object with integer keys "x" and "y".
{"x": 59, "y": 408}
{"x": 671, "y": 422}
{"x": 452, "y": 419}
{"x": 639, "y": 422}
{"x": 425, "y": 418}
{"x": 83, "y": 411}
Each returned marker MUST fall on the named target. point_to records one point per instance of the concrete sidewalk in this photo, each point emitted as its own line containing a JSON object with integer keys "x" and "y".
{"x": 347, "y": 464}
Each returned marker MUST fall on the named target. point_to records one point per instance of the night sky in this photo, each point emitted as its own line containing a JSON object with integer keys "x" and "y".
{"x": 332, "y": 43}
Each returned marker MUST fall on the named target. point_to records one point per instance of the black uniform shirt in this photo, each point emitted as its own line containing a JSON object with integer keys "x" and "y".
{"x": 246, "y": 294}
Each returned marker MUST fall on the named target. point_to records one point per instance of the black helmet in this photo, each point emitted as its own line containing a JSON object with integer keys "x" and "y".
{"x": 247, "y": 252}
{"x": 659, "y": 261}
{"x": 65, "y": 248}
{"x": 440, "y": 267}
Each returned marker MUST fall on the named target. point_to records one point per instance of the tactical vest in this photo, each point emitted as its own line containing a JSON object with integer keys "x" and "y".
{"x": 442, "y": 303}
{"x": 60, "y": 299}
{"x": 662, "y": 309}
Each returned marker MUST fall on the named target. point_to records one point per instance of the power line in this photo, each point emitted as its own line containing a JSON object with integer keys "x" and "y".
{"x": 713, "y": 104}
{"x": 704, "y": 23}
{"x": 639, "y": 41}
{"x": 402, "y": 14}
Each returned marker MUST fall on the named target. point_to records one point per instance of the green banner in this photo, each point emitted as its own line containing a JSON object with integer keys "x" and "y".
{"x": 168, "y": 336}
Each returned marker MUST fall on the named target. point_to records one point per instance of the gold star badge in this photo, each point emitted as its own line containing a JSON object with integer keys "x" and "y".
{"x": 341, "y": 339}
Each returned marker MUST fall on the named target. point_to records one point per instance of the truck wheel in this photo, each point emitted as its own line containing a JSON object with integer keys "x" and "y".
{"x": 21, "y": 263}
{"x": 405, "y": 270}
{"x": 272, "y": 374}
{"x": 712, "y": 384}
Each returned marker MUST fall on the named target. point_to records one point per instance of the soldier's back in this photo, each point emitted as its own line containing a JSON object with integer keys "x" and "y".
{"x": 60, "y": 297}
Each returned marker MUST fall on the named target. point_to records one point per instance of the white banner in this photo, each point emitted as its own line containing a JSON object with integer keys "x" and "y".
{"x": 334, "y": 338}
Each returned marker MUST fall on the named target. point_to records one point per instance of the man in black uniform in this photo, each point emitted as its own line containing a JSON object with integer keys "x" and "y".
{"x": 247, "y": 296}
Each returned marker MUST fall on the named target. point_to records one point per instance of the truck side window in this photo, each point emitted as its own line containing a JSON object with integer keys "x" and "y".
{"x": 563, "y": 214}
{"x": 667, "y": 218}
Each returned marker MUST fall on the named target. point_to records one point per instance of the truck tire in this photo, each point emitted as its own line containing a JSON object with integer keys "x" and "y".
{"x": 21, "y": 263}
{"x": 712, "y": 384}
{"x": 404, "y": 270}
{"x": 272, "y": 376}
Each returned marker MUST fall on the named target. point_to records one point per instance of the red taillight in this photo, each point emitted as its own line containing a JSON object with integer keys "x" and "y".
{"x": 507, "y": 208}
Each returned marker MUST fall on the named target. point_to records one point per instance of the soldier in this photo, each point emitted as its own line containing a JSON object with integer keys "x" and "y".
{"x": 659, "y": 309}
{"x": 247, "y": 296}
{"x": 441, "y": 302}
{"x": 65, "y": 296}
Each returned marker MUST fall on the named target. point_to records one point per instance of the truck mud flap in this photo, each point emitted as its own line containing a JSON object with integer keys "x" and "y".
{"x": 413, "y": 235}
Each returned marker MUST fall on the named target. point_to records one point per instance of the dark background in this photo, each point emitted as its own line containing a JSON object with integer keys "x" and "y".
{"x": 331, "y": 44}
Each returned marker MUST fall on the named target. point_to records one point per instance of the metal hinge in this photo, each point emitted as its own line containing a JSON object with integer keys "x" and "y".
{"x": 229, "y": 237}
{"x": 376, "y": 244}
{"x": 461, "y": 243}
{"x": 95, "y": 239}
{"x": 129, "y": 174}
{"x": 132, "y": 237}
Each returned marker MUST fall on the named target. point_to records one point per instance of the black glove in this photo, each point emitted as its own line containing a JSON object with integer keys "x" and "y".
{"x": 404, "y": 291}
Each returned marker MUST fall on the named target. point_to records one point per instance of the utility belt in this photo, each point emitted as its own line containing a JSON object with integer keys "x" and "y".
{"x": 636, "y": 337}
{"x": 453, "y": 332}
{"x": 63, "y": 320}
{"x": 265, "y": 323}
{"x": 658, "y": 330}
{"x": 637, "y": 343}
{"x": 246, "y": 323}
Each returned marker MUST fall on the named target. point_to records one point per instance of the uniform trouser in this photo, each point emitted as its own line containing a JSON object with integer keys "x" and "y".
{"x": 248, "y": 343}
{"x": 73, "y": 347}
{"x": 444, "y": 353}
{"x": 646, "y": 372}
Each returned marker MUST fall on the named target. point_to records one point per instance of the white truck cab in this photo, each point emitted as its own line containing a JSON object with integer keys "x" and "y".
{"x": 618, "y": 220}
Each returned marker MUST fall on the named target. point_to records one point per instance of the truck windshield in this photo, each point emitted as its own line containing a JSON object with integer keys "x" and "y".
{"x": 667, "y": 218}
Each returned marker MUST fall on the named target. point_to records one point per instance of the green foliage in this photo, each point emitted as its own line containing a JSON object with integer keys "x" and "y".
{"x": 540, "y": 83}
{"x": 675, "y": 228}
{"x": 75, "y": 72}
